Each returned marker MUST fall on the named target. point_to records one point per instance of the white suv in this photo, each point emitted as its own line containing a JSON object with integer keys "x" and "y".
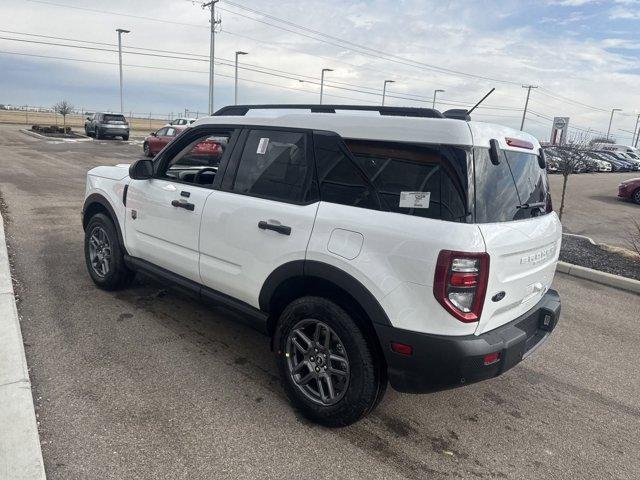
{"x": 398, "y": 246}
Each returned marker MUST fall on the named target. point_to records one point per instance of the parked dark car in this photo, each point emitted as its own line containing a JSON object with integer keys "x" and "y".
{"x": 104, "y": 125}
{"x": 616, "y": 164}
{"x": 630, "y": 190}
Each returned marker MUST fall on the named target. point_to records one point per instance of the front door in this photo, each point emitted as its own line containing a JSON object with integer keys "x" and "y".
{"x": 262, "y": 217}
{"x": 163, "y": 214}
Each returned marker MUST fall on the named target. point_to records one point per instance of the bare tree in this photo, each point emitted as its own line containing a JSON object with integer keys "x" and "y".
{"x": 64, "y": 108}
{"x": 570, "y": 157}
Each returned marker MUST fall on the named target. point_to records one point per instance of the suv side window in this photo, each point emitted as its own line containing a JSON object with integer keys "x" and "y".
{"x": 275, "y": 164}
{"x": 416, "y": 179}
{"x": 340, "y": 180}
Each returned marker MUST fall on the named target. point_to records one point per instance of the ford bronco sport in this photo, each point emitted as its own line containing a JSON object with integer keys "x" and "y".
{"x": 402, "y": 246}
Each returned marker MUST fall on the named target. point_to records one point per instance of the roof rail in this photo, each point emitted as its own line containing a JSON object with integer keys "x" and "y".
{"x": 241, "y": 110}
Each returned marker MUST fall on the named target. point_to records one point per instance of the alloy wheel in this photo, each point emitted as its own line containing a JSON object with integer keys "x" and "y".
{"x": 317, "y": 362}
{"x": 99, "y": 251}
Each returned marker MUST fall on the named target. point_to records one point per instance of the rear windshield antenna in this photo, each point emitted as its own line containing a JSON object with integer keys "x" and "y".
{"x": 481, "y": 100}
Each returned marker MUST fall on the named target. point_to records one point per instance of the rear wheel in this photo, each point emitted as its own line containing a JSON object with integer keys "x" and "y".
{"x": 636, "y": 196}
{"x": 125, "y": 137}
{"x": 328, "y": 366}
{"x": 97, "y": 134}
{"x": 104, "y": 255}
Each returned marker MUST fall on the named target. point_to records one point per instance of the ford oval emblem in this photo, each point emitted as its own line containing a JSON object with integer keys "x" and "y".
{"x": 498, "y": 296}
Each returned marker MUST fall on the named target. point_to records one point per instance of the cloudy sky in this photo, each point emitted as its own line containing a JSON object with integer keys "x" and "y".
{"x": 582, "y": 54}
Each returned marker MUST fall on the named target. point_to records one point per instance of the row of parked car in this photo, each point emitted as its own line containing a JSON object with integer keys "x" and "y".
{"x": 597, "y": 160}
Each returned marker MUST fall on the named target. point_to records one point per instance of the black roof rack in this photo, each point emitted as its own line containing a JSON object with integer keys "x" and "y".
{"x": 241, "y": 110}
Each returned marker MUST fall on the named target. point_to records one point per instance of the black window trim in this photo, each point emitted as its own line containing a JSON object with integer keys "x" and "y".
{"x": 187, "y": 136}
{"x": 231, "y": 169}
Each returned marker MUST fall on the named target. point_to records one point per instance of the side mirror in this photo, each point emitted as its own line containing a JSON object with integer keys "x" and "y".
{"x": 494, "y": 151}
{"x": 141, "y": 170}
{"x": 153, "y": 134}
{"x": 89, "y": 118}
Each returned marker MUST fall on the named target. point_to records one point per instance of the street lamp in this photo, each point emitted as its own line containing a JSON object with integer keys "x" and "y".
{"x": 120, "y": 32}
{"x": 611, "y": 120}
{"x": 235, "y": 93}
{"x": 384, "y": 89}
{"x": 322, "y": 81}
{"x": 435, "y": 92}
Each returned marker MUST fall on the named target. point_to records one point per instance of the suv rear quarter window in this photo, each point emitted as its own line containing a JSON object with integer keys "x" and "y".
{"x": 402, "y": 173}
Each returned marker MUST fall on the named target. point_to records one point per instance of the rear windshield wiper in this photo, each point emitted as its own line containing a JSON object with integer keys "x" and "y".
{"x": 532, "y": 205}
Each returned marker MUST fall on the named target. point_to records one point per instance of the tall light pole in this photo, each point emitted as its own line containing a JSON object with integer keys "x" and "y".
{"x": 235, "y": 91}
{"x": 435, "y": 92}
{"x": 384, "y": 89}
{"x": 636, "y": 132}
{"x": 322, "y": 81}
{"x": 614, "y": 110}
{"x": 212, "y": 48}
{"x": 526, "y": 104}
{"x": 120, "y": 32}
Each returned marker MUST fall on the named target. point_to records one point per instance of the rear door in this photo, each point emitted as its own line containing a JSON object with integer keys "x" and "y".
{"x": 521, "y": 237}
{"x": 263, "y": 215}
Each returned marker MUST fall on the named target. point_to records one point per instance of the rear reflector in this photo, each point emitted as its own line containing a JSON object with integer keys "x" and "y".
{"x": 401, "y": 348}
{"x": 515, "y": 142}
{"x": 491, "y": 358}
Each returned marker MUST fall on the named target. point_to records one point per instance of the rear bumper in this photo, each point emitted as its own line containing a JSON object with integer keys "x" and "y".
{"x": 441, "y": 362}
{"x": 114, "y": 131}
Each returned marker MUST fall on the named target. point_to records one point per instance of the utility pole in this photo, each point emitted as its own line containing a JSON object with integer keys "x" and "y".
{"x": 322, "y": 81}
{"x": 636, "y": 133}
{"x": 435, "y": 92}
{"x": 384, "y": 89}
{"x": 120, "y": 32}
{"x": 212, "y": 47}
{"x": 235, "y": 90}
{"x": 613, "y": 110}
{"x": 526, "y": 104}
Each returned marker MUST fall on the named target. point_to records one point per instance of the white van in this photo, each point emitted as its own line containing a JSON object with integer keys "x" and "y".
{"x": 399, "y": 247}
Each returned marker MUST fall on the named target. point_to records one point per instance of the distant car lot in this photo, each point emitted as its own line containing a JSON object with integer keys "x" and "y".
{"x": 151, "y": 384}
{"x": 592, "y": 206}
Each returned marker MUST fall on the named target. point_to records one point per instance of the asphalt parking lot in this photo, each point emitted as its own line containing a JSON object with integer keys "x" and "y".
{"x": 592, "y": 207}
{"x": 146, "y": 383}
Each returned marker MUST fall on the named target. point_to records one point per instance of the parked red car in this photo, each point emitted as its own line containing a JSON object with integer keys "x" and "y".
{"x": 630, "y": 190}
{"x": 157, "y": 141}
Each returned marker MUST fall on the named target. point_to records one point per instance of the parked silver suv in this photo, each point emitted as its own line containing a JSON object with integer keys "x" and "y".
{"x": 103, "y": 125}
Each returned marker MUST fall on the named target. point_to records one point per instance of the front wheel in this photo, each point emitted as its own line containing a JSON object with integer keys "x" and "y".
{"x": 147, "y": 149}
{"x": 327, "y": 364}
{"x": 104, "y": 255}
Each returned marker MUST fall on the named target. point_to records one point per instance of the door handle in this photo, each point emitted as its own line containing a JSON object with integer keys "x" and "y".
{"x": 282, "y": 229}
{"x": 183, "y": 204}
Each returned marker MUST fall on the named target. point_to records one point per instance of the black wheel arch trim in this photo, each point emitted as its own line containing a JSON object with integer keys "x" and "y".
{"x": 101, "y": 200}
{"x": 324, "y": 271}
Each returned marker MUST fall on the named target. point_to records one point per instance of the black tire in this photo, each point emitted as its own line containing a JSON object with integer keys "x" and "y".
{"x": 635, "y": 197}
{"x": 146, "y": 149}
{"x": 125, "y": 137}
{"x": 116, "y": 275}
{"x": 366, "y": 381}
{"x": 97, "y": 134}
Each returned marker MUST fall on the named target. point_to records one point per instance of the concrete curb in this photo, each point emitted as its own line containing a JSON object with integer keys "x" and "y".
{"x": 20, "y": 454}
{"x": 597, "y": 276}
{"x": 44, "y": 137}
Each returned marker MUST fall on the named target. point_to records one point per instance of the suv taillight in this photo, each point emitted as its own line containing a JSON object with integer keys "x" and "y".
{"x": 460, "y": 283}
{"x": 549, "y": 206}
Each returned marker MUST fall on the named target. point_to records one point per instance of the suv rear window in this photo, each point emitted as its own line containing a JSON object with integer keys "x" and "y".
{"x": 416, "y": 179}
{"x": 515, "y": 189}
{"x": 113, "y": 118}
